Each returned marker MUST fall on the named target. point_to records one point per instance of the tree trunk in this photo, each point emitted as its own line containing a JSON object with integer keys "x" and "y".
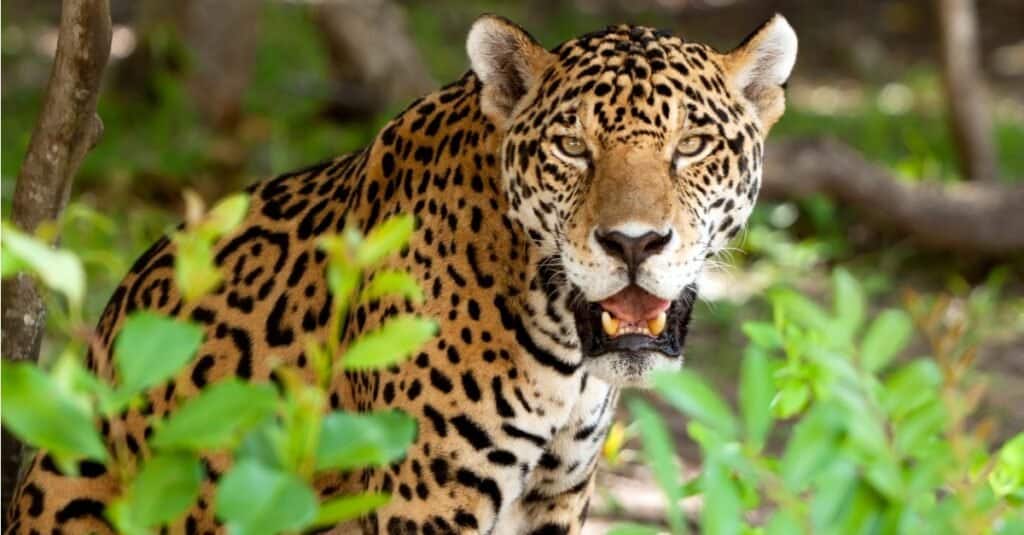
{"x": 222, "y": 35}
{"x": 969, "y": 113}
{"x": 137, "y": 75}
{"x": 66, "y": 129}
{"x": 373, "y": 59}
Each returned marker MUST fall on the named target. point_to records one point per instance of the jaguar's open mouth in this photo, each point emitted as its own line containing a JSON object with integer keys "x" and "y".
{"x": 633, "y": 320}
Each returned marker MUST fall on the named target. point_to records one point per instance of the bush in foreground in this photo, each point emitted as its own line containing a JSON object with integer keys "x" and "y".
{"x": 876, "y": 445}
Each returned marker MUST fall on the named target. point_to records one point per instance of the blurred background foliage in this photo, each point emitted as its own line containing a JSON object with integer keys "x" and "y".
{"x": 869, "y": 74}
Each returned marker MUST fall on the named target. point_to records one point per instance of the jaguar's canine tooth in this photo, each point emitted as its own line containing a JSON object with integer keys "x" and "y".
{"x": 610, "y": 324}
{"x": 657, "y": 325}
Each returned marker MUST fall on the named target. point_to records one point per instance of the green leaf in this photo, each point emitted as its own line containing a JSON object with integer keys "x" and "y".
{"x": 764, "y": 335}
{"x": 756, "y": 393}
{"x": 1011, "y": 525}
{"x": 83, "y": 387}
{"x": 885, "y": 476}
{"x": 349, "y": 440}
{"x": 151, "y": 349}
{"x": 58, "y": 269}
{"x": 345, "y": 508}
{"x": 660, "y": 454}
{"x": 802, "y": 311}
{"x": 392, "y": 343}
{"x": 301, "y": 416}
{"x": 783, "y": 522}
{"x": 791, "y": 399}
{"x": 866, "y": 429}
{"x": 709, "y": 439}
{"x": 913, "y": 431}
{"x": 1012, "y": 452}
{"x": 1007, "y": 477}
{"x": 385, "y": 239}
{"x": 339, "y": 245}
{"x": 320, "y": 361}
{"x": 225, "y": 216}
{"x": 40, "y": 412}
{"x": 834, "y": 487}
{"x": 747, "y": 488}
{"x": 254, "y": 499}
{"x": 849, "y": 302}
{"x": 862, "y": 513}
{"x": 195, "y": 272}
{"x": 634, "y": 529}
{"x": 10, "y": 263}
{"x": 80, "y": 385}
{"x": 163, "y": 490}
{"x": 218, "y": 417}
{"x": 689, "y": 393}
{"x": 911, "y": 386}
{"x": 342, "y": 280}
{"x": 884, "y": 339}
{"x": 391, "y": 282}
{"x": 264, "y": 444}
{"x": 810, "y": 447}
{"x": 832, "y": 367}
{"x": 693, "y": 486}
{"x": 722, "y": 507}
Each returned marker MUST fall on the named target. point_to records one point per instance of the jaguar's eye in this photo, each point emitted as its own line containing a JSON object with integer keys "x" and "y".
{"x": 692, "y": 146}
{"x": 572, "y": 146}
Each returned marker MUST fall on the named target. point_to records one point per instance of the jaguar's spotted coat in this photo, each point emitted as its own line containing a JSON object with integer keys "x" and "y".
{"x": 545, "y": 184}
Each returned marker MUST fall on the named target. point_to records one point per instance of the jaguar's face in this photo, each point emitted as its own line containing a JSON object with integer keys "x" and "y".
{"x": 631, "y": 157}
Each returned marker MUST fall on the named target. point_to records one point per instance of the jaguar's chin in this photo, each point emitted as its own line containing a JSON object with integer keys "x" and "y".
{"x": 627, "y": 336}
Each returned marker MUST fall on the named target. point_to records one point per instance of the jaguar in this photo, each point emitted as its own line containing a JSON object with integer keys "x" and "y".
{"x": 566, "y": 202}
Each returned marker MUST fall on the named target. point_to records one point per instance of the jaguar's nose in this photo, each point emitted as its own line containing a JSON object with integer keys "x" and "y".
{"x": 632, "y": 250}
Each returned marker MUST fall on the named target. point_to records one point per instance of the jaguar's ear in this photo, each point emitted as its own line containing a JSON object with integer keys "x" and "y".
{"x": 760, "y": 66}
{"x": 507, "y": 60}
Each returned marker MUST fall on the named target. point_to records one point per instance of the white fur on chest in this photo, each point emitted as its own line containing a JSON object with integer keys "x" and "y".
{"x": 584, "y": 412}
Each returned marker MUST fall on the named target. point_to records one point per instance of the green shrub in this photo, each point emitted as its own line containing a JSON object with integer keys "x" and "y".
{"x": 876, "y": 444}
{"x": 279, "y": 439}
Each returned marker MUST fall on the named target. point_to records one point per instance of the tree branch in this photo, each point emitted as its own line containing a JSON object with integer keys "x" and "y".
{"x": 222, "y": 35}
{"x": 978, "y": 218}
{"x": 66, "y": 129}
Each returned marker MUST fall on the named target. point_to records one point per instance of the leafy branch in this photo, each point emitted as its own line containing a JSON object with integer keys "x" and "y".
{"x": 279, "y": 439}
{"x": 876, "y": 443}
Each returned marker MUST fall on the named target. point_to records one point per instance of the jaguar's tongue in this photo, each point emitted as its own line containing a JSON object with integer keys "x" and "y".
{"x": 634, "y": 305}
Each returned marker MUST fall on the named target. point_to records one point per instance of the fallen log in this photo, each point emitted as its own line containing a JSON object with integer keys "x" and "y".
{"x": 982, "y": 218}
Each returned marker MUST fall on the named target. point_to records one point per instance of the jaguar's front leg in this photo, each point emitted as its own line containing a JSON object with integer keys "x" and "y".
{"x": 560, "y": 514}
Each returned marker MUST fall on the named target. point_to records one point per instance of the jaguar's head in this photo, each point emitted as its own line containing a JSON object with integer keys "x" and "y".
{"x": 630, "y": 157}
